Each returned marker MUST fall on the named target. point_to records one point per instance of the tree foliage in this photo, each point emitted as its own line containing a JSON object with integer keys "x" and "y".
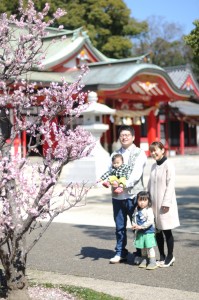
{"x": 107, "y": 22}
{"x": 28, "y": 192}
{"x": 192, "y": 40}
{"x": 165, "y": 43}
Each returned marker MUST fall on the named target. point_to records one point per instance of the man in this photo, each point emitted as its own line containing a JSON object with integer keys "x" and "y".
{"x": 124, "y": 203}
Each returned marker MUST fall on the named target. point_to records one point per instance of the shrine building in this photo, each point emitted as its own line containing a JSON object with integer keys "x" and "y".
{"x": 161, "y": 104}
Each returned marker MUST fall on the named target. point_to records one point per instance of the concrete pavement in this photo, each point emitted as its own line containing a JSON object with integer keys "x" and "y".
{"x": 77, "y": 247}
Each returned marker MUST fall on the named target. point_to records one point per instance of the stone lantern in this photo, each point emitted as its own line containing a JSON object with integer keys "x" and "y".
{"x": 89, "y": 169}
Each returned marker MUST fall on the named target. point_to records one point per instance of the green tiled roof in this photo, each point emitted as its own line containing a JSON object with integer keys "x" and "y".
{"x": 64, "y": 48}
{"x": 117, "y": 73}
{"x": 46, "y": 77}
{"x": 108, "y": 73}
{"x": 99, "y": 74}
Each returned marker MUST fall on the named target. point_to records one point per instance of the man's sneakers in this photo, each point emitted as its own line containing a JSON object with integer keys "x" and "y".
{"x": 117, "y": 259}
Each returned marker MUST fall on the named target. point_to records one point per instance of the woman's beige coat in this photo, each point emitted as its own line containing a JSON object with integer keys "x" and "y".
{"x": 161, "y": 187}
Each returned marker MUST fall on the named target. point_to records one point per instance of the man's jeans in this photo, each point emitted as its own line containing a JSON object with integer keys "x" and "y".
{"x": 121, "y": 210}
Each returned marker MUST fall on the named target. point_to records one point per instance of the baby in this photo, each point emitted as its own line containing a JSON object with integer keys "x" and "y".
{"x": 117, "y": 175}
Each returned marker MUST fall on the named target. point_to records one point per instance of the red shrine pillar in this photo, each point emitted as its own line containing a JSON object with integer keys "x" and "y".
{"x": 181, "y": 138}
{"x": 158, "y": 129}
{"x": 151, "y": 128}
{"x": 137, "y": 129}
{"x": 17, "y": 144}
{"x": 24, "y": 142}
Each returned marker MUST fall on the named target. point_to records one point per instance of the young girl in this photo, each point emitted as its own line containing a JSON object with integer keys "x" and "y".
{"x": 143, "y": 224}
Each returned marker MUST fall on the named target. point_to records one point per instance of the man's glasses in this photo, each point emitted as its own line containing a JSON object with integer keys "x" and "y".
{"x": 125, "y": 135}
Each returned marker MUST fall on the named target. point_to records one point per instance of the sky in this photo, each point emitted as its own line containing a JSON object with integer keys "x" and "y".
{"x": 181, "y": 12}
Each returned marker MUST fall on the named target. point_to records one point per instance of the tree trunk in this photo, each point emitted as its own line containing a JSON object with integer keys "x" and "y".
{"x": 17, "y": 284}
{"x": 18, "y": 295}
{"x": 14, "y": 263}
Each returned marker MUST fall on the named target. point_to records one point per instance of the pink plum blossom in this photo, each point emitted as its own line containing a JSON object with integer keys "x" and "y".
{"x": 28, "y": 190}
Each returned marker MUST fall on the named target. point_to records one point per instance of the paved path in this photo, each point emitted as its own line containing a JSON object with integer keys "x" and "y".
{"x": 77, "y": 247}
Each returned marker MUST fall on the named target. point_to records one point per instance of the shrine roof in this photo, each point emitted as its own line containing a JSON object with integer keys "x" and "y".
{"x": 118, "y": 73}
{"x": 45, "y": 77}
{"x": 106, "y": 76}
{"x": 66, "y": 44}
{"x": 180, "y": 75}
{"x": 100, "y": 74}
{"x": 186, "y": 108}
{"x": 105, "y": 73}
{"x": 186, "y": 111}
{"x": 60, "y": 45}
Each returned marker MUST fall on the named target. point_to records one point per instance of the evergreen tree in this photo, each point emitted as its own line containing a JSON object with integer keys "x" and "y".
{"x": 192, "y": 40}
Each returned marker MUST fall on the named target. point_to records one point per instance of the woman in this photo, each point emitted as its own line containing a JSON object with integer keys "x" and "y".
{"x": 161, "y": 187}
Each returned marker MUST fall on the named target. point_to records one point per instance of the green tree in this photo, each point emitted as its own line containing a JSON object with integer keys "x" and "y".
{"x": 107, "y": 22}
{"x": 10, "y": 7}
{"x": 192, "y": 40}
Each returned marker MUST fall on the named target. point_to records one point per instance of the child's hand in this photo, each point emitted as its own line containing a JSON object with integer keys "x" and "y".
{"x": 106, "y": 184}
{"x": 115, "y": 184}
{"x": 133, "y": 226}
{"x": 118, "y": 190}
{"x": 136, "y": 227}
